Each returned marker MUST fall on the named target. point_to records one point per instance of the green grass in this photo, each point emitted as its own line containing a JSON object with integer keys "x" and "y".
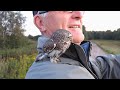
{"x": 109, "y": 46}
{"x": 5, "y": 54}
{"x": 14, "y": 68}
{"x": 14, "y": 63}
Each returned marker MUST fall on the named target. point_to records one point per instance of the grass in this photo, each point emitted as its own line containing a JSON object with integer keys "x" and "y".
{"x": 14, "y": 68}
{"x": 5, "y": 54}
{"x": 109, "y": 46}
{"x": 14, "y": 63}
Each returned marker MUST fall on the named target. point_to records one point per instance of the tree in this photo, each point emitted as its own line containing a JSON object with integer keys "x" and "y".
{"x": 11, "y": 25}
{"x": 117, "y": 34}
{"x": 85, "y": 32}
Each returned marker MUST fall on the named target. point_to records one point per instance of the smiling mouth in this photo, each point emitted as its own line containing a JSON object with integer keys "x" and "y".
{"x": 74, "y": 26}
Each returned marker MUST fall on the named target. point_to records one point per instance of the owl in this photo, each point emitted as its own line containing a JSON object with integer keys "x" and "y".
{"x": 58, "y": 43}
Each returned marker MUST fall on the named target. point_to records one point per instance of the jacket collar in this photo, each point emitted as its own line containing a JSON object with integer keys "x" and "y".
{"x": 87, "y": 46}
{"x": 80, "y": 53}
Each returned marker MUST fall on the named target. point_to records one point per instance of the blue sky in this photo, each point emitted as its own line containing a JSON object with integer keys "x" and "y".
{"x": 93, "y": 20}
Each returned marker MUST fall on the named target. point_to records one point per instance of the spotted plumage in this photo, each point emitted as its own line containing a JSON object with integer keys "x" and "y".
{"x": 58, "y": 43}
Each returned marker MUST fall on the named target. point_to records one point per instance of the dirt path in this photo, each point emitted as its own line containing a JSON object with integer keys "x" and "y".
{"x": 96, "y": 51}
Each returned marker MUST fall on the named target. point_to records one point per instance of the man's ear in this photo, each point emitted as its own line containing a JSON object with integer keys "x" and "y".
{"x": 38, "y": 21}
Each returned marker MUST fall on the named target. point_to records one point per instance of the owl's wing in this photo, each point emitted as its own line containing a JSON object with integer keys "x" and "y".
{"x": 49, "y": 46}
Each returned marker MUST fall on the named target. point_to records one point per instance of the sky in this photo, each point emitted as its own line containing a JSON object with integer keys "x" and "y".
{"x": 93, "y": 21}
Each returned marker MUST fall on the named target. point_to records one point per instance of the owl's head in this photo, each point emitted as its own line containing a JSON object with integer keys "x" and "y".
{"x": 61, "y": 35}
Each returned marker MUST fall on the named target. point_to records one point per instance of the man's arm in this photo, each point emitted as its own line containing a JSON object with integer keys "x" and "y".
{"x": 107, "y": 66}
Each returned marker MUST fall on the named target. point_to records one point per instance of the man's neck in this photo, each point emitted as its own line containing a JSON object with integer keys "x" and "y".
{"x": 77, "y": 43}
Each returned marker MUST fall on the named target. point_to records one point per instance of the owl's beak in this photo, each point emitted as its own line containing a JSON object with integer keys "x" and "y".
{"x": 70, "y": 35}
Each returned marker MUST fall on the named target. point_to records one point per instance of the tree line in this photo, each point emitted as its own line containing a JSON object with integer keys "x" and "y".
{"x": 101, "y": 35}
{"x": 93, "y": 35}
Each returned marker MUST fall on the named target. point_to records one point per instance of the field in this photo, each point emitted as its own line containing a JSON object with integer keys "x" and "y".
{"x": 109, "y": 46}
{"x": 14, "y": 63}
{"x": 16, "y": 68}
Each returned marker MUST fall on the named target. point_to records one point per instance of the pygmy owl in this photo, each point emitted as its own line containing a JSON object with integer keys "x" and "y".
{"x": 58, "y": 43}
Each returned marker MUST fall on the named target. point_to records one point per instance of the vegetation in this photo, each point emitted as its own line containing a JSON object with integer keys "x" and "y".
{"x": 16, "y": 68}
{"x": 11, "y": 30}
{"x": 17, "y": 52}
{"x": 102, "y": 35}
{"x": 14, "y": 63}
{"x": 108, "y": 40}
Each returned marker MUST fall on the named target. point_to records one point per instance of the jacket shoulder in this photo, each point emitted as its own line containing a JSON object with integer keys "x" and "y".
{"x": 48, "y": 70}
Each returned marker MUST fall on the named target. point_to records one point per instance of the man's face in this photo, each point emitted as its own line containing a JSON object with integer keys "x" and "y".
{"x": 68, "y": 20}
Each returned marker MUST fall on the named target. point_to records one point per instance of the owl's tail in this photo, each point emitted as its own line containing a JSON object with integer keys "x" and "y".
{"x": 41, "y": 57}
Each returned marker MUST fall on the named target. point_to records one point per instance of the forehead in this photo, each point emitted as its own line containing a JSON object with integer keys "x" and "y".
{"x": 42, "y": 12}
{"x": 58, "y": 13}
{"x": 53, "y": 13}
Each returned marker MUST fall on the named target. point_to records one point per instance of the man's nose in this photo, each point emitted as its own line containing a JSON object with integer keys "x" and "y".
{"x": 78, "y": 14}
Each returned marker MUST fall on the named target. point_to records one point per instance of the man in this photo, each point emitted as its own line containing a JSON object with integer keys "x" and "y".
{"x": 75, "y": 62}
